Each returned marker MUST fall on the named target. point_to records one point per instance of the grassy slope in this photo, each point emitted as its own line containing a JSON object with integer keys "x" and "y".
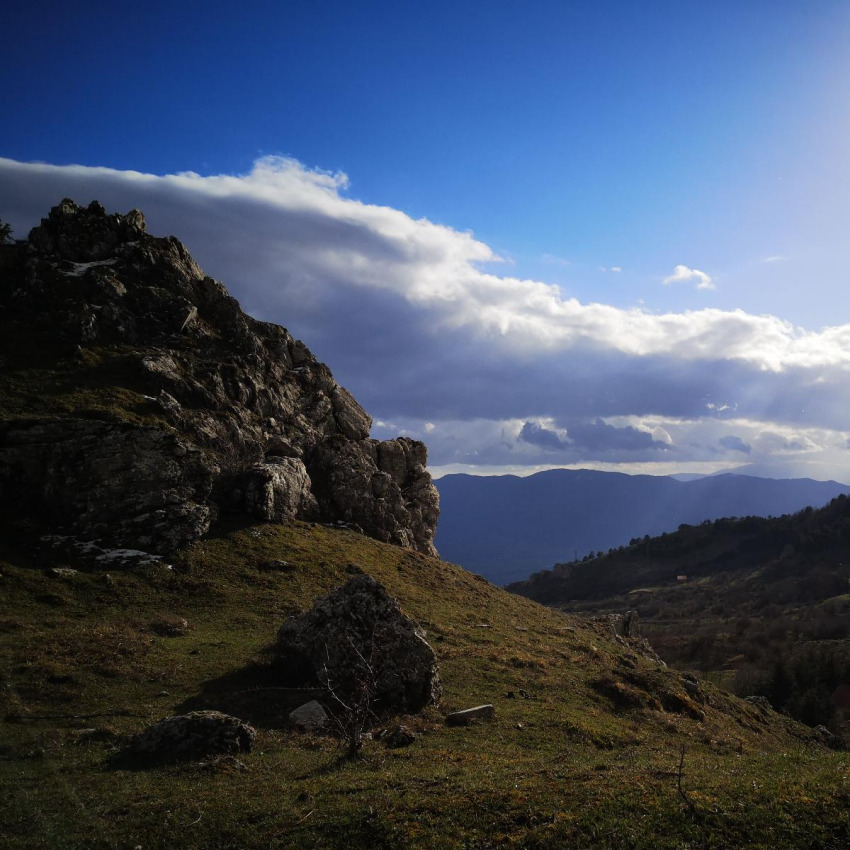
{"x": 566, "y": 768}
{"x": 757, "y": 591}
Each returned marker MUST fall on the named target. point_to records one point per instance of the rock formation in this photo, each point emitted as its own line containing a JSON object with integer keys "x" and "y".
{"x": 181, "y": 406}
{"x": 358, "y": 632}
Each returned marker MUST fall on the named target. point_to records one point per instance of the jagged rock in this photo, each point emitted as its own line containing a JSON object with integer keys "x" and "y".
{"x": 829, "y": 738}
{"x": 468, "y": 715}
{"x": 759, "y": 702}
{"x": 624, "y": 625}
{"x": 398, "y": 507}
{"x": 229, "y": 413}
{"x": 116, "y": 482}
{"x": 191, "y": 736}
{"x": 311, "y": 716}
{"x": 692, "y": 686}
{"x": 357, "y": 635}
{"x": 280, "y": 490}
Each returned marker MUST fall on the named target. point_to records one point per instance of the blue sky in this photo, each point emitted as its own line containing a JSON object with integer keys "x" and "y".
{"x": 654, "y": 159}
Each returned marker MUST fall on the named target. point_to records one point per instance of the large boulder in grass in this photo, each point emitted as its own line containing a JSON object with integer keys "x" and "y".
{"x": 192, "y": 736}
{"x": 356, "y": 636}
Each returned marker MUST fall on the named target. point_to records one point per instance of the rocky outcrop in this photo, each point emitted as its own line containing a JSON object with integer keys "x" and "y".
{"x": 357, "y": 639}
{"x": 210, "y": 410}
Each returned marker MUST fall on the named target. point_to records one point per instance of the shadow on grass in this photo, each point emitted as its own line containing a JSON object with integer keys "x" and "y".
{"x": 261, "y": 693}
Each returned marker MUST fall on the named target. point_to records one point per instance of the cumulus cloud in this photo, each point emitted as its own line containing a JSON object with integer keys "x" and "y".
{"x": 538, "y": 435}
{"x": 682, "y": 274}
{"x": 734, "y": 444}
{"x": 599, "y": 435}
{"x": 412, "y": 317}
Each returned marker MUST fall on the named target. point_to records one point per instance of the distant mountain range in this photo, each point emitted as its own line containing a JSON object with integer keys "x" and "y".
{"x": 506, "y": 527}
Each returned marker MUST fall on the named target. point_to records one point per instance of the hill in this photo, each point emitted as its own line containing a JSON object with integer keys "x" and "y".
{"x": 506, "y": 527}
{"x": 154, "y": 543}
{"x": 761, "y": 604}
{"x": 86, "y": 662}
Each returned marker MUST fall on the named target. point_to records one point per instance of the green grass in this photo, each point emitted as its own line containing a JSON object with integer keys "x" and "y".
{"x": 570, "y": 767}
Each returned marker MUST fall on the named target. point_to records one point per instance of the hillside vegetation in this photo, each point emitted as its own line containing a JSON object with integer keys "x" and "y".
{"x": 761, "y": 604}
{"x": 141, "y": 409}
{"x": 591, "y": 759}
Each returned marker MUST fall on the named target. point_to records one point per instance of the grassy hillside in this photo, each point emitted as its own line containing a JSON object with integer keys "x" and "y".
{"x": 590, "y": 760}
{"x": 760, "y": 604}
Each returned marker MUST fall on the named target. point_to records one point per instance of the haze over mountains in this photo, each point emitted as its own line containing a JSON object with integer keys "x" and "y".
{"x": 506, "y": 527}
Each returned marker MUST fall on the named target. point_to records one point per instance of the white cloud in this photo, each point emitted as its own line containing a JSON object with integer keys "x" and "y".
{"x": 289, "y": 228}
{"x": 412, "y": 317}
{"x": 683, "y": 274}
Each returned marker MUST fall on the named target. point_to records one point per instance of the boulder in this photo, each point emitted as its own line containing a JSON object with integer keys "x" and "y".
{"x": 356, "y": 636}
{"x": 192, "y": 736}
{"x": 311, "y": 716}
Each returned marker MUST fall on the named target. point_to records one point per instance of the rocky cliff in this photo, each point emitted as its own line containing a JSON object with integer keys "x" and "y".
{"x": 138, "y": 402}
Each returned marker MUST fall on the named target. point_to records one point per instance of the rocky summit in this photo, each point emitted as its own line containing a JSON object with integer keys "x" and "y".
{"x": 162, "y": 406}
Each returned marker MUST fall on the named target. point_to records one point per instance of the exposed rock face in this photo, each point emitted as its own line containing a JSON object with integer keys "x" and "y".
{"x": 280, "y": 490}
{"x": 119, "y": 482}
{"x": 216, "y": 410}
{"x": 360, "y": 624}
{"x": 192, "y": 736}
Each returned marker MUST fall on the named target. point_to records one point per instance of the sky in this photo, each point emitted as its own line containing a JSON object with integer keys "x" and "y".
{"x": 610, "y": 235}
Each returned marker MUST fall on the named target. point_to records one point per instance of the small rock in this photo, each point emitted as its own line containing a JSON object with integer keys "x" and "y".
{"x": 62, "y": 572}
{"x": 311, "y": 716}
{"x": 401, "y": 736}
{"x": 468, "y": 715}
{"x": 277, "y": 566}
{"x": 170, "y": 626}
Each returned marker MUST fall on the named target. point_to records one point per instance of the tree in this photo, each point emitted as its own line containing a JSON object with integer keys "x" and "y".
{"x": 5, "y": 232}
{"x": 352, "y": 694}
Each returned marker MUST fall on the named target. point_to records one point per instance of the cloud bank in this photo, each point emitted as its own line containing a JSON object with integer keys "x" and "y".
{"x": 503, "y": 371}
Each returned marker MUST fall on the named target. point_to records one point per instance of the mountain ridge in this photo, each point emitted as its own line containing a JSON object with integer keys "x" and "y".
{"x": 507, "y": 527}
